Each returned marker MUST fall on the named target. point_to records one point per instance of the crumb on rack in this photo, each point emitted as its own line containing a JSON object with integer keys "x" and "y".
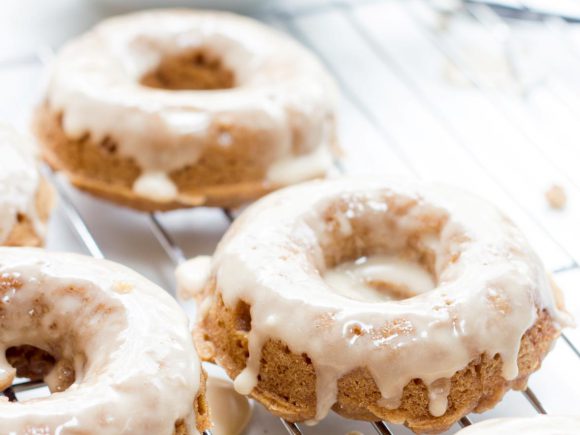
{"x": 556, "y": 197}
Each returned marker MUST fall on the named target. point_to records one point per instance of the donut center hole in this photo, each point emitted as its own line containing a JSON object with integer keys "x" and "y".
{"x": 376, "y": 249}
{"x": 378, "y": 278}
{"x": 193, "y": 70}
{"x": 58, "y": 334}
{"x": 34, "y": 366}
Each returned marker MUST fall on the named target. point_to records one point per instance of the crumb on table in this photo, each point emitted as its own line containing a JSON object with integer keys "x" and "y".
{"x": 556, "y": 197}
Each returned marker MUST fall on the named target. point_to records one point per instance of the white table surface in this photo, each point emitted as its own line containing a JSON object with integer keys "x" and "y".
{"x": 441, "y": 105}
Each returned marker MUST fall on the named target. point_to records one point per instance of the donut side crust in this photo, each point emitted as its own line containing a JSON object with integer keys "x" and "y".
{"x": 222, "y": 177}
{"x": 23, "y": 233}
{"x": 286, "y": 382}
{"x": 200, "y": 408}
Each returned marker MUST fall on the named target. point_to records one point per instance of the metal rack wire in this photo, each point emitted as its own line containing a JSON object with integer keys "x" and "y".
{"x": 483, "y": 14}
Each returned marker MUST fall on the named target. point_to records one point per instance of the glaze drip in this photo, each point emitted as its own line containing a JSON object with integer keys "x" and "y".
{"x": 155, "y": 185}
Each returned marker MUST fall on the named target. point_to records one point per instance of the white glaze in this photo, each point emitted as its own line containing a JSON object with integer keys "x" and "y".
{"x": 280, "y": 89}
{"x": 19, "y": 182}
{"x": 354, "y": 279}
{"x": 489, "y": 286}
{"x": 230, "y": 411}
{"x": 538, "y": 425}
{"x": 155, "y": 185}
{"x": 193, "y": 277}
{"x": 140, "y": 373}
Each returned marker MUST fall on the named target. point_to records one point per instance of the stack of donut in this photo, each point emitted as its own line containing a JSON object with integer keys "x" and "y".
{"x": 379, "y": 299}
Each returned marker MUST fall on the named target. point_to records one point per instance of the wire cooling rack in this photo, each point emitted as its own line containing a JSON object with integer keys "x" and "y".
{"x": 435, "y": 90}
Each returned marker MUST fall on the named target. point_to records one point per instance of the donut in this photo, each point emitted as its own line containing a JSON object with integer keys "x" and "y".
{"x": 114, "y": 349}
{"x": 442, "y": 305}
{"x": 165, "y": 109}
{"x": 538, "y": 425}
{"x": 26, "y": 199}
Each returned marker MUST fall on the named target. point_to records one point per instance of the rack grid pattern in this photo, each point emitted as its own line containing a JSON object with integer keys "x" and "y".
{"x": 392, "y": 137}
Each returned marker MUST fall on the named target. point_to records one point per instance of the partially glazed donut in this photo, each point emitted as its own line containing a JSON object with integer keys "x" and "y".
{"x": 539, "y": 425}
{"x": 26, "y": 199}
{"x": 166, "y": 109}
{"x": 118, "y": 356}
{"x": 455, "y": 308}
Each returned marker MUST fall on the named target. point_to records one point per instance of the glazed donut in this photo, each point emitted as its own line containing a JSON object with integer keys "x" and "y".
{"x": 538, "y": 425}
{"x": 119, "y": 358}
{"x": 26, "y": 199}
{"x": 442, "y": 305}
{"x": 166, "y": 109}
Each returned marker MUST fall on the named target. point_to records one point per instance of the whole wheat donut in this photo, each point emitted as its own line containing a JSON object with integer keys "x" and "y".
{"x": 387, "y": 300}
{"x": 114, "y": 349}
{"x": 176, "y": 108}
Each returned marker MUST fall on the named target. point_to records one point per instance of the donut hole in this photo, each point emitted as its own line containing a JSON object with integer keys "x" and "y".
{"x": 33, "y": 364}
{"x": 377, "y": 278}
{"x": 30, "y": 362}
{"x": 379, "y": 250}
{"x": 193, "y": 70}
{"x": 49, "y": 333}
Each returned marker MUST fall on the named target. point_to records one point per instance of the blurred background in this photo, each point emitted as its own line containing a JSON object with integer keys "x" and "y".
{"x": 484, "y": 95}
